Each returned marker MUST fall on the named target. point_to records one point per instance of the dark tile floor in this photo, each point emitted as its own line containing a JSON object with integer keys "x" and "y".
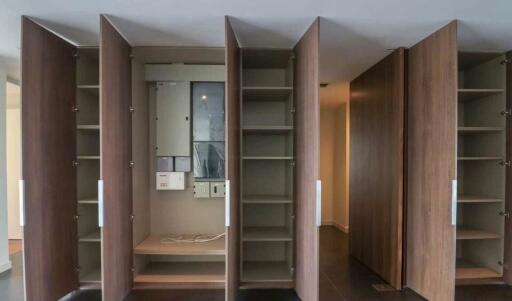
{"x": 342, "y": 278}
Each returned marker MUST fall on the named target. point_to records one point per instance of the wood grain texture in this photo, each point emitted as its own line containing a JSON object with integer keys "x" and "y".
{"x": 50, "y": 236}
{"x": 233, "y": 161}
{"x": 507, "y": 256}
{"x": 116, "y": 153}
{"x": 377, "y": 103}
{"x": 307, "y": 168}
{"x": 432, "y": 134}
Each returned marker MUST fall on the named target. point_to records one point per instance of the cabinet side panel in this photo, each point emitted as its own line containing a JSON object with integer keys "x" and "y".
{"x": 49, "y": 141}
{"x": 432, "y": 134}
{"x": 116, "y": 154}
{"x": 307, "y": 170}
{"x": 507, "y": 270}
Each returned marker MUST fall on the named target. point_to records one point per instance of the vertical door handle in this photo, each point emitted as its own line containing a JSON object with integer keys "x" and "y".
{"x": 227, "y": 201}
{"x": 318, "y": 203}
{"x": 100, "y": 203}
{"x": 454, "y": 202}
{"x": 21, "y": 195}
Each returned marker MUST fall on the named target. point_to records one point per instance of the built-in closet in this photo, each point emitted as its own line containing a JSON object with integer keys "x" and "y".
{"x": 458, "y": 174}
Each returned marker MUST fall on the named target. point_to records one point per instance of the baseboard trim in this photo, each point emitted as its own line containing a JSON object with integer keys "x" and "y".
{"x": 6, "y": 266}
{"x": 342, "y": 228}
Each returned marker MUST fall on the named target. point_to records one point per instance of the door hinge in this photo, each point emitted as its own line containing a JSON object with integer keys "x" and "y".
{"x": 132, "y": 56}
{"x": 133, "y": 270}
{"x": 132, "y": 109}
{"x": 505, "y": 163}
{"x": 132, "y": 217}
{"x": 505, "y": 61}
{"x": 75, "y": 163}
{"x": 76, "y": 55}
{"x": 78, "y": 268}
{"x": 131, "y": 164}
{"x": 292, "y": 110}
{"x": 292, "y": 163}
{"x": 292, "y": 270}
{"x": 505, "y": 113}
{"x": 76, "y": 217}
{"x": 505, "y": 214}
{"x": 75, "y": 109}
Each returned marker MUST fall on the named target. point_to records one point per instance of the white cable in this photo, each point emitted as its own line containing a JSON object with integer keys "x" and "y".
{"x": 190, "y": 238}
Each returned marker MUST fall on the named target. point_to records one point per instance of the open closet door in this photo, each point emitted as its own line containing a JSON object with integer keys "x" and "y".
{"x": 432, "y": 134}
{"x": 232, "y": 162}
{"x": 307, "y": 173}
{"x": 48, "y": 153}
{"x": 116, "y": 156}
{"x": 377, "y": 103}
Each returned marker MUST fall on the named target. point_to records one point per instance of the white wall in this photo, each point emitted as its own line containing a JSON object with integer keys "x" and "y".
{"x": 5, "y": 263}
{"x": 13, "y": 137}
{"x": 341, "y": 167}
{"x": 327, "y": 163}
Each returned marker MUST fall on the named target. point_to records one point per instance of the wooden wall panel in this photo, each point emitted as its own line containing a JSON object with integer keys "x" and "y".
{"x": 49, "y": 141}
{"x": 432, "y": 126}
{"x": 233, "y": 160}
{"x": 116, "y": 154}
{"x": 507, "y": 269}
{"x": 307, "y": 168}
{"x": 376, "y": 167}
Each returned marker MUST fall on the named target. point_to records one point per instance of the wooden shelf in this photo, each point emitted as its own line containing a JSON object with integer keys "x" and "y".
{"x": 479, "y": 158}
{"x": 88, "y": 201}
{"x": 266, "y": 234}
{"x": 469, "y": 59}
{"x": 91, "y": 237}
{"x": 467, "y": 270}
{"x": 185, "y": 274}
{"x": 266, "y": 199}
{"x": 88, "y": 127}
{"x": 263, "y": 271}
{"x": 466, "y": 233}
{"x": 266, "y": 93}
{"x": 479, "y": 129}
{"x": 86, "y": 157}
{"x": 153, "y": 246}
{"x": 267, "y": 158}
{"x": 477, "y": 199}
{"x": 270, "y": 129}
{"x": 472, "y": 94}
{"x": 92, "y": 277}
{"x": 93, "y": 90}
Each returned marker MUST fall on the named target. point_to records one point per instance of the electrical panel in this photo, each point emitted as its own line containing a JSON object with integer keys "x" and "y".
{"x": 170, "y": 181}
{"x": 202, "y": 189}
{"x": 217, "y": 189}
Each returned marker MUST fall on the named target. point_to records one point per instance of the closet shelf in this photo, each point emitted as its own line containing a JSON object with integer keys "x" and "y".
{"x": 94, "y": 236}
{"x": 468, "y": 270}
{"x": 266, "y": 199}
{"x": 466, "y": 233}
{"x": 87, "y": 157}
{"x": 185, "y": 274}
{"x": 468, "y": 59}
{"x": 93, "y": 90}
{"x": 267, "y": 158}
{"x": 88, "y": 127}
{"x": 92, "y": 277}
{"x": 88, "y": 201}
{"x": 479, "y": 129}
{"x": 88, "y": 87}
{"x": 266, "y": 271}
{"x": 479, "y": 158}
{"x": 471, "y": 94}
{"x": 465, "y": 198}
{"x": 266, "y": 234}
{"x": 267, "y": 129}
{"x": 273, "y": 94}
{"x": 153, "y": 246}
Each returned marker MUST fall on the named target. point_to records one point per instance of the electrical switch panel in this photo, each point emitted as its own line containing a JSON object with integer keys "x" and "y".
{"x": 202, "y": 189}
{"x": 217, "y": 189}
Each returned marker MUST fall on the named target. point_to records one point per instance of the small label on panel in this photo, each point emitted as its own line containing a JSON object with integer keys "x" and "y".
{"x": 454, "y": 202}
{"x": 21, "y": 186}
{"x": 318, "y": 203}
{"x": 228, "y": 204}
{"x": 100, "y": 203}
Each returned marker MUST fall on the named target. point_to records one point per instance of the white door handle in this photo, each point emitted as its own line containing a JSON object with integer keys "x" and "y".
{"x": 21, "y": 195}
{"x": 318, "y": 203}
{"x": 100, "y": 203}
{"x": 454, "y": 202}
{"x": 227, "y": 200}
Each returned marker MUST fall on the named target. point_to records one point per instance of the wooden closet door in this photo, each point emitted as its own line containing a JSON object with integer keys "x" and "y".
{"x": 50, "y": 236}
{"x": 232, "y": 162}
{"x": 432, "y": 134}
{"x": 116, "y": 156}
{"x": 307, "y": 168}
{"x": 507, "y": 269}
{"x": 377, "y": 103}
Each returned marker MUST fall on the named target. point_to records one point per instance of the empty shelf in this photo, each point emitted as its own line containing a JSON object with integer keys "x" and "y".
{"x": 477, "y": 199}
{"x": 266, "y": 93}
{"x": 266, "y": 234}
{"x": 267, "y": 199}
{"x": 91, "y": 237}
{"x": 88, "y": 127}
{"x": 88, "y": 201}
{"x": 270, "y": 129}
{"x": 471, "y": 94}
{"x": 93, "y": 90}
{"x": 266, "y": 58}
{"x": 465, "y": 233}
{"x": 259, "y": 271}
{"x": 87, "y": 157}
{"x": 184, "y": 273}
{"x": 479, "y": 129}
{"x": 467, "y": 270}
{"x": 478, "y": 158}
{"x": 92, "y": 277}
{"x": 267, "y": 158}
{"x": 153, "y": 246}
{"x": 468, "y": 60}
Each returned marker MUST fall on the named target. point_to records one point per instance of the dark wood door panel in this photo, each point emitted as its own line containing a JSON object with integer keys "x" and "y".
{"x": 507, "y": 270}
{"x": 376, "y": 167}
{"x": 307, "y": 171}
{"x": 432, "y": 126}
{"x": 116, "y": 154}
{"x": 233, "y": 161}
{"x": 48, "y": 138}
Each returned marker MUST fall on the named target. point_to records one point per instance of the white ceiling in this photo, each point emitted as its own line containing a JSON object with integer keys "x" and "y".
{"x": 354, "y": 34}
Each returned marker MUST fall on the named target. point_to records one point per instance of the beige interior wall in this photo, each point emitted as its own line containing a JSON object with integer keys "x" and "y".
{"x": 13, "y": 148}
{"x": 341, "y": 168}
{"x": 327, "y": 163}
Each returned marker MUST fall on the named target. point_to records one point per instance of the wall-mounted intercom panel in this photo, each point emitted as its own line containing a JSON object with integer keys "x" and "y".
{"x": 170, "y": 181}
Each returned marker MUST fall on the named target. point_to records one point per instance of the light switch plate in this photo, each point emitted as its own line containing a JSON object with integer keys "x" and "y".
{"x": 217, "y": 189}
{"x": 202, "y": 189}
